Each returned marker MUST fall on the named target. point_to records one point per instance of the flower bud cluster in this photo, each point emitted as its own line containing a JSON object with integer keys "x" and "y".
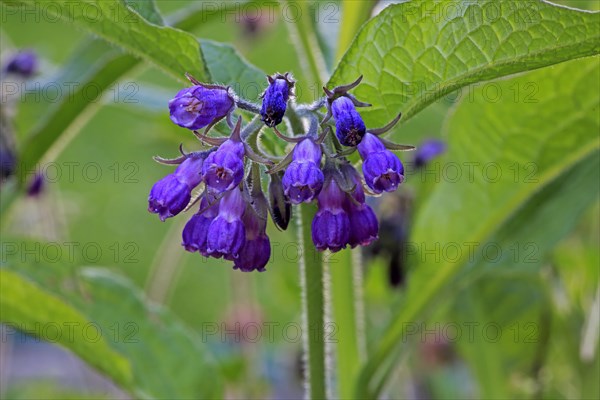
{"x": 225, "y": 179}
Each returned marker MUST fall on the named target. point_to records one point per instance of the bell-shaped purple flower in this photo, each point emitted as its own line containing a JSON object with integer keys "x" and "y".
{"x": 226, "y": 233}
{"x": 303, "y": 178}
{"x": 382, "y": 169}
{"x": 24, "y": 64}
{"x": 275, "y": 101}
{"x": 256, "y": 252}
{"x": 349, "y": 126}
{"x": 199, "y": 106}
{"x": 224, "y": 169}
{"x": 364, "y": 227}
{"x": 427, "y": 151}
{"x": 170, "y": 195}
{"x": 331, "y": 225}
{"x": 195, "y": 233}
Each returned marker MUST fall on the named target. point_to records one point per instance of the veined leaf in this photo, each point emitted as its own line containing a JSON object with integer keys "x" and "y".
{"x": 98, "y": 66}
{"x": 174, "y": 51}
{"x": 555, "y": 136}
{"x": 165, "y": 358}
{"x": 28, "y": 307}
{"x": 413, "y": 53}
{"x": 226, "y": 66}
{"x": 147, "y": 9}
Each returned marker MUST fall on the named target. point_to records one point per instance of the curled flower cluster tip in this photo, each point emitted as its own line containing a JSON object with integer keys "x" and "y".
{"x": 223, "y": 180}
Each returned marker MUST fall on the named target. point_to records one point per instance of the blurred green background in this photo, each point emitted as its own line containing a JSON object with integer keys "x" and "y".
{"x": 120, "y": 139}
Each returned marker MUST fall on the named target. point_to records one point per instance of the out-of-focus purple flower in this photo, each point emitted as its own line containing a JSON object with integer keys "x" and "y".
{"x": 349, "y": 126}
{"x": 427, "y": 151}
{"x": 382, "y": 169}
{"x": 364, "y": 227}
{"x": 170, "y": 195}
{"x": 224, "y": 169}
{"x": 36, "y": 186}
{"x": 7, "y": 162}
{"x": 24, "y": 64}
{"x": 256, "y": 251}
{"x": 303, "y": 178}
{"x": 331, "y": 225}
{"x": 275, "y": 101}
{"x": 226, "y": 234}
{"x": 195, "y": 233}
{"x": 199, "y": 106}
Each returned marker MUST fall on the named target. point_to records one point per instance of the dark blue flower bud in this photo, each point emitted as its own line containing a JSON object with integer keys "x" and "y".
{"x": 256, "y": 251}
{"x": 224, "y": 169}
{"x": 382, "y": 169}
{"x": 199, "y": 106}
{"x": 427, "y": 151}
{"x": 349, "y": 126}
{"x": 226, "y": 234}
{"x": 195, "y": 233}
{"x": 331, "y": 226}
{"x": 279, "y": 206}
{"x": 364, "y": 227}
{"x": 170, "y": 195}
{"x": 303, "y": 179}
{"x": 24, "y": 64}
{"x": 275, "y": 101}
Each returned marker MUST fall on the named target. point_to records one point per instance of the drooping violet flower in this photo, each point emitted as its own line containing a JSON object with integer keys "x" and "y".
{"x": 382, "y": 169}
{"x": 170, "y": 195}
{"x": 349, "y": 126}
{"x": 364, "y": 227}
{"x": 427, "y": 151}
{"x": 195, "y": 233}
{"x": 256, "y": 252}
{"x": 303, "y": 178}
{"x": 224, "y": 169}
{"x": 275, "y": 99}
{"x": 331, "y": 225}
{"x": 199, "y": 106}
{"x": 24, "y": 64}
{"x": 226, "y": 233}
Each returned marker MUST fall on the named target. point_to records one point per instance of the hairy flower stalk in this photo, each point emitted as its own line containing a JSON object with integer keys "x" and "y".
{"x": 231, "y": 218}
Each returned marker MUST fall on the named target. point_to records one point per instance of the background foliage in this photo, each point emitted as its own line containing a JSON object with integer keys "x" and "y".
{"x": 451, "y": 71}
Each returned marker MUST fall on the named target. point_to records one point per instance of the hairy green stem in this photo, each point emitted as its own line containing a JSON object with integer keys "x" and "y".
{"x": 346, "y": 291}
{"x": 313, "y": 308}
{"x": 306, "y": 44}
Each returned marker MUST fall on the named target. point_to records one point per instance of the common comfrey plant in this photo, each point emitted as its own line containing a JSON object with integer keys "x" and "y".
{"x": 224, "y": 178}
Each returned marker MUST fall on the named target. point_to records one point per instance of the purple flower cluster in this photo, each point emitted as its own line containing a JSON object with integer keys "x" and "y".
{"x": 231, "y": 219}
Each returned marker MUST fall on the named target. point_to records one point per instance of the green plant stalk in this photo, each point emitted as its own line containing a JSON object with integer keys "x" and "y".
{"x": 313, "y": 308}
{"x": 354, "y": 14}
{"x": 346, "y": 293}
{"x": 306, "y": 45}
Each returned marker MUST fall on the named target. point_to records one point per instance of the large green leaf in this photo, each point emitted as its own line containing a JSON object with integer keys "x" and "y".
{"x": 147, "y": 9}
{"x": 166, "y": 359}
{"x": 226, "y": 66}
{"x": 413, "y": 53}
{"x": 30, "y": 308}
{"x": 555, "y": 136}
{"x": 97, "y": 66}
{"x": 174, "y": 51}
